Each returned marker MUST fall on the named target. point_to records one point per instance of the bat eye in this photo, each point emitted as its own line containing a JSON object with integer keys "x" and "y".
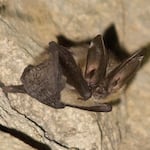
{"x": 115, "y": 85}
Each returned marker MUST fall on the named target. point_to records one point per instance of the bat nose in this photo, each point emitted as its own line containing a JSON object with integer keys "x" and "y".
{"x": 100, "y": 92}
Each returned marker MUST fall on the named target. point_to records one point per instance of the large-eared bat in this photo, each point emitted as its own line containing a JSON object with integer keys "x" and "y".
{"x": 94, "y": 85}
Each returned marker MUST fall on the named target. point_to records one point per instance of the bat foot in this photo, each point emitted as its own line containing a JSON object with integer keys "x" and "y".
{"x": 2, "y": 85}
{"x": 12, "y": 88}
{"x": 99, "y": 108}
{"x": 56, "y": 104}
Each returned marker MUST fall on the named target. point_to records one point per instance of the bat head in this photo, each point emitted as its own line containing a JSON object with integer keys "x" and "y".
{"x": 102, "y": 82}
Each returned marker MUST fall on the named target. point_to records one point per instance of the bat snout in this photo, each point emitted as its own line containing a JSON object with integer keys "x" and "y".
{"x": 100, "y": 92}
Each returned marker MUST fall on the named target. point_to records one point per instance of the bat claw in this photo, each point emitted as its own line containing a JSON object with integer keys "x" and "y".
{"x": 2, "y": 85}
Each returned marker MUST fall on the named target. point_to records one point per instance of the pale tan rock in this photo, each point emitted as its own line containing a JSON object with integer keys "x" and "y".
{"x": 27, "y": 26}
{"x": 11, "y": 143}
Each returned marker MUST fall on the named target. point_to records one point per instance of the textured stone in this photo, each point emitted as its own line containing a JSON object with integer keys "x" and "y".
{"x": 26, "y": 27}
{"x": 138, "y": 96}
{"x": 9, "y": 142}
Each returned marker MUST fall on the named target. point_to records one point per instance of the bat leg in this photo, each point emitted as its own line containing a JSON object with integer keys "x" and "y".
{"x": 98, "y": 108}
{"x": 14, "y": 89}
{"x": 2, "y": 84}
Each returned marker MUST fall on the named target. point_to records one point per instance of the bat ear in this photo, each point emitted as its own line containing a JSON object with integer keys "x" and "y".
{"x": 97, "y": 59}
{"x": 125, "y": 71}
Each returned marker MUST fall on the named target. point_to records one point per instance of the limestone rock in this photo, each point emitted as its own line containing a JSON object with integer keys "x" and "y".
{"x": 26, "y": 27}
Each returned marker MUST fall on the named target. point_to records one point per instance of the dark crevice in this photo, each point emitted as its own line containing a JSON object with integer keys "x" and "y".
{"x": 52, "y": 140}
{"x": 9, "y": 26}
{"x": 27, "y": 51}
{"x": 41, "y": 128}
{"x": 25, "y": 138}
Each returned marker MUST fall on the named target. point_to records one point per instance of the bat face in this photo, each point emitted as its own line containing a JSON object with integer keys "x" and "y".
{"x": 105, "y": 77}
{"x": 102, "y": 82}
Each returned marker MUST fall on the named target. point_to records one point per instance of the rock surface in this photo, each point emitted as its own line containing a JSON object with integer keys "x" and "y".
{"x": 7, "y": 141}
{"x": 26, "y": 27}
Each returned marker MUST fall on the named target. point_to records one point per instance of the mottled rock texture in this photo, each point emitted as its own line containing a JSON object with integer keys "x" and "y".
{"x": 27, "y": 26}
{"x": 9, "y": 142}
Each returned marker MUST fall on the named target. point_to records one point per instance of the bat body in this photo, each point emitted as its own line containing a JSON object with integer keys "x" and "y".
{"x": 95, "y": 80}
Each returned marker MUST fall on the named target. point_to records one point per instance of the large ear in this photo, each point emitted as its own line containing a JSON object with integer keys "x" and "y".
{"x": 125, "y": 71}
{"x": 97, "y": 59}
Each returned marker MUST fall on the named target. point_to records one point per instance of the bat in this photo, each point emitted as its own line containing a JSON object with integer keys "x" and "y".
{"x": 94, "y": 87}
